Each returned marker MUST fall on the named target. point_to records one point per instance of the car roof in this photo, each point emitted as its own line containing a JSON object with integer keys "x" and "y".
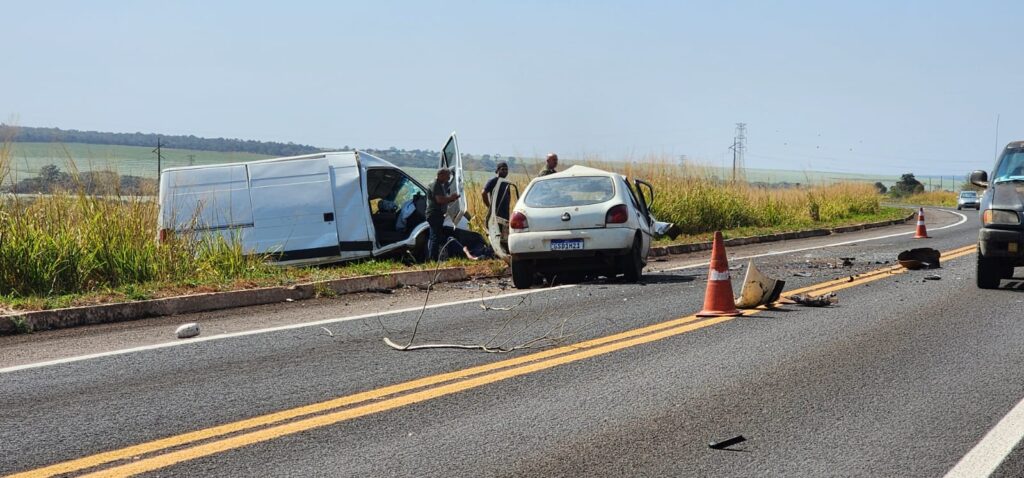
{"x": 577, "y": 170}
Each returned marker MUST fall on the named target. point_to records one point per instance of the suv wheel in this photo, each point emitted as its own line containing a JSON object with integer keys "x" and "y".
{"x": 991, "y": 271}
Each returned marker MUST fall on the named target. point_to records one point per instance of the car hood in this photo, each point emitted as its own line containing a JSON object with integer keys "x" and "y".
{"x": 1008, "y": 196}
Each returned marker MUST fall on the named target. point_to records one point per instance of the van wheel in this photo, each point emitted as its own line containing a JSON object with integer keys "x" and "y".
{"x": 990, "y": 272}
{"x": 634, "y": 266}
{"x": 522, "y": 274}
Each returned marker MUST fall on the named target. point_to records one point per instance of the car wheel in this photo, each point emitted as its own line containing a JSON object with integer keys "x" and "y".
{"x": 634, "y": 266}
{"x": 522, "y": 274}
{"x": 958, "y": 208}
{"x": 991, "y": 271}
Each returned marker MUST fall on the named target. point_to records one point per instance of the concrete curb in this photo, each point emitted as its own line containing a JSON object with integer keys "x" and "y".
{"x": 125, "y": 311}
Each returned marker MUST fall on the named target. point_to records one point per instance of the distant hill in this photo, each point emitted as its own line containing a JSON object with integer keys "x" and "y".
{"x": 421, "y": 158}
{"x": 25, "y": 134}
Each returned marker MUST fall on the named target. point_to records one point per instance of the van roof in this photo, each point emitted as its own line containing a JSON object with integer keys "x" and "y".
{"x": 366, "y": 159}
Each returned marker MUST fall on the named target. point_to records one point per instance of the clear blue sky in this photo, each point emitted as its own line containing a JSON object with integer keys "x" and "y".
{"x": 859, "y": 86}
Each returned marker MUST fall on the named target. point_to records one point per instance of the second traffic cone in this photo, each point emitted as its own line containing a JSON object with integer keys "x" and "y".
{"x": 718, "y": 299}
{"x": 922, "y": 232}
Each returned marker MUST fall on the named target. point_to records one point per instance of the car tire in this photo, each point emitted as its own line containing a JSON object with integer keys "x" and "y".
{"x": 958, "y": 208}
{"x": 991, "y": 271}
{"x": 633, "y": 268}
{"x": 522, "y": 274}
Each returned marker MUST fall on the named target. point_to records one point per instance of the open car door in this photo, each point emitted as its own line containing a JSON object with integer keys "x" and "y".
{"x": 497, "y": 226}
{"x": 657, "y": 228}
{"x": 451, "y": 159}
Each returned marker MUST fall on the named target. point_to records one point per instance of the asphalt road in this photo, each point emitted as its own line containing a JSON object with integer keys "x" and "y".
{"x": 902, "y": 377}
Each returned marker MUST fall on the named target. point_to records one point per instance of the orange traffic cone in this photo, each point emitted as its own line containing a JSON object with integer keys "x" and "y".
{"x": 718, "y": 300}
{"x": 922, "y": 232}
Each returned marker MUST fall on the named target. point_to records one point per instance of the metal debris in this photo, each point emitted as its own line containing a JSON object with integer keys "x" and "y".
{"x": 802, "y": 274}
{"x": 721, "y": 445}
{"x": 815, "y": 301}
{"x": 921, "y": 258}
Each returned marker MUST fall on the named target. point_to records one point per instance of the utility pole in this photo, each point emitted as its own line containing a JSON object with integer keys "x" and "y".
{"x": 739, "y": 146}
{"x": 191, "y": 159}
{"x": 159, "y": 159}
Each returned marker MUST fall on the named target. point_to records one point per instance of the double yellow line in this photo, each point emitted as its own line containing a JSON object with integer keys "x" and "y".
{"x": 209, "y": 441}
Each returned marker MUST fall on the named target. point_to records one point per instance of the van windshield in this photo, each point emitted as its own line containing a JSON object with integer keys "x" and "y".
{"x": 577, "y": 191}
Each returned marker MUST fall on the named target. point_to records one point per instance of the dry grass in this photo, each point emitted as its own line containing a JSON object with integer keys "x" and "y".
{"x": 70, "y": 248}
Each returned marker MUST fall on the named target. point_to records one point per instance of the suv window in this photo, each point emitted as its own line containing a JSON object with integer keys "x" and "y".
{"x": 577, "y": 191}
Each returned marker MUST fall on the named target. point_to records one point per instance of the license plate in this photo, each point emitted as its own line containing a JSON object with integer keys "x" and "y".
{"x": 567, "y": 244}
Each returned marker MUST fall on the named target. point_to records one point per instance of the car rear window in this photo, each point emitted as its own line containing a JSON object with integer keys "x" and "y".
{"x": 577, "y": 191}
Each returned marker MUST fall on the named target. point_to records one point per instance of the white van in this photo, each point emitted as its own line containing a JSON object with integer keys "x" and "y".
{"x": 310, "y": 209}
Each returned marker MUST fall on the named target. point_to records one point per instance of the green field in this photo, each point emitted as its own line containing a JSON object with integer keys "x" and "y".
{"x": 27, "y": 158}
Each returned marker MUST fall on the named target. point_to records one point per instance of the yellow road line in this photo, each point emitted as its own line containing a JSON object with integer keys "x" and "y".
{"x": 462, "y": 380}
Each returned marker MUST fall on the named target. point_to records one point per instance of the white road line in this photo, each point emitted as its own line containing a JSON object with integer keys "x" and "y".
{"x": 163, "y": 345}
{"x": 993, "y": 448}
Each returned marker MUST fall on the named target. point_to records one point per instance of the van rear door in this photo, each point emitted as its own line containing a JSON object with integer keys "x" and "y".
{"x": 207, "y": 200}
{"x": 451, "y": 159}
{"x": 293, "y": 208}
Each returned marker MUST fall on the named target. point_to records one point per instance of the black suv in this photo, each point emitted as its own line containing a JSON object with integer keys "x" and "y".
{"x": 1001, "y": 235}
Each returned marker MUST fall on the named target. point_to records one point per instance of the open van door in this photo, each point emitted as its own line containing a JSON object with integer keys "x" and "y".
{"x": 451, "y": 159}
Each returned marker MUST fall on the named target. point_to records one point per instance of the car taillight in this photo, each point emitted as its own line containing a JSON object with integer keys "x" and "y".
{"x": 518, "y": 221}
{"x": 617, "y": 215}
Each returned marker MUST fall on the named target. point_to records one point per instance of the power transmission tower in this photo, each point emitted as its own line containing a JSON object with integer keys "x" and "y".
{"x": 739, "y": 147}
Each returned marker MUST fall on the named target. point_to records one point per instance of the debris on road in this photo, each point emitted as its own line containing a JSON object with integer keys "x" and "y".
{"x": 847, "y": 261}
{"x": 721, "y": 445}
{"x": 758, "y": 289}
{"x": 802, "y": 274}
{"x": 933, "y": 277}
{"x": 815, "y": 301}
{"x": 186, "y": 331}
{"x": 921, "y": 258}
{"x": 380, "y": 290}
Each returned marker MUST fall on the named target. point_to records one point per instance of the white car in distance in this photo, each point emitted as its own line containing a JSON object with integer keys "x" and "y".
{"x": 582, "y": 220}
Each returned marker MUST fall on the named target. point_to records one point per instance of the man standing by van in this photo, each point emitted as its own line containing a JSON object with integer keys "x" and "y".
{"x": 437, "y": 204}
{"x": 550, "y": 163}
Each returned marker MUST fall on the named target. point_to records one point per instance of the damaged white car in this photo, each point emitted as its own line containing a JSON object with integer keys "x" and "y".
{"x": 582, "y": 220}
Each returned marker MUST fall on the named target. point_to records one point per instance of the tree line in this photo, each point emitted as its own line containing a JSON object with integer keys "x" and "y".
{"x": 27, "y": 134}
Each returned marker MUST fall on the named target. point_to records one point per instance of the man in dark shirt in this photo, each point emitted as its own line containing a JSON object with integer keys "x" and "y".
{"x": 437, "y": 204}
{"x": 550, "y": 163}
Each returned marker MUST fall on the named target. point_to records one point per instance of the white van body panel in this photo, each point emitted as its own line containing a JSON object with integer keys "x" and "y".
{"x": 291, "y": 205}
{"x": 309, "y": 209}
